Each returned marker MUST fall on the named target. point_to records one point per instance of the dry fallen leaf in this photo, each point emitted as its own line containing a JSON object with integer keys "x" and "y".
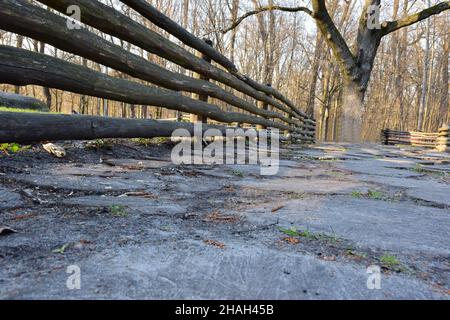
{"x": 218, "y": 217}
{"x": 214, "y": 243}
{"x": 291, "y": 240}
{"x": 4, "y": 231}
{"x": 54, "y": 150}
{"x": 277, "y": 208}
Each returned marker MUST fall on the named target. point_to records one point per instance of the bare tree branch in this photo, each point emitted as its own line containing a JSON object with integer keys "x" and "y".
{"x": 265, "y": 9}
{"x": 325, "y": 25}
{"x": 391, "y": 26}
{"x": 334, "y": 38}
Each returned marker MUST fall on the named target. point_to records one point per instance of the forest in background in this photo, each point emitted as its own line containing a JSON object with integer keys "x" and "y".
{"x": 410, "y": 74}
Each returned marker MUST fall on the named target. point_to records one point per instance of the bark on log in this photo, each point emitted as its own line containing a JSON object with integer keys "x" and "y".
{"x": 36, "y": 127}
{"x": 45, "y": 26}
{"x": 12, "y": 100}
{"x": 22, "y": 67}
{"x": 113, "y": 22}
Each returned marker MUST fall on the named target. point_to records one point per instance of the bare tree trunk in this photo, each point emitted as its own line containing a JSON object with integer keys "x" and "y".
{"x": 46, "y": 90}
{"x": 234, "y": 15}
{"x": 124, "y": 109}
{"x": 352, "y": 106}
{"x": 19, "y": 45}
{"x": 444, "y": 103}
{"x": 144, "y": 112}
{"x": 314, "y": 76}
{"x": 426, "y": 66}
{"x": 83, "y": 98}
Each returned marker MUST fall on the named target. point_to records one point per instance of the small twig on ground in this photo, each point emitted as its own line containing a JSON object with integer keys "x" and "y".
{"x": 260, "y": 228}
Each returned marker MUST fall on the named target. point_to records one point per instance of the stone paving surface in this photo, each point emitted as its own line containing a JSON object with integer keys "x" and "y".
{"x": 140, "y": 227}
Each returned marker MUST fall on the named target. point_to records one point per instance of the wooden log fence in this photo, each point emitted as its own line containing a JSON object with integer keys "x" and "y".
{"x": 439, "y": 141}
{"x": 22, "y": 67}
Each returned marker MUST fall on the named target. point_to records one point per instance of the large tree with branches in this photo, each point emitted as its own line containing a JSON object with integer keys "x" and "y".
{"x": 355, "y": 59}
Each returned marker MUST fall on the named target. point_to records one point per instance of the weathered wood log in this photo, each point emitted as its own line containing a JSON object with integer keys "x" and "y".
{"x": 36, "y": 127}
{"x": 18, "y": 101}
{"x": 22, "y": 67}
{"x": 113, "y": 22}
{"x": 444, "y": 131}
{"x": 45, "y": 26}
{"x": 443, "y": 140}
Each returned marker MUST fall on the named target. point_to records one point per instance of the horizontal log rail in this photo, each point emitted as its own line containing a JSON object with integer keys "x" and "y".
{"x": 49, "y": 127}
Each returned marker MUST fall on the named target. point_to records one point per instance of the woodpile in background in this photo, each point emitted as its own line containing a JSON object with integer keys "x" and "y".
{"x": 444, "y": 139}
{"x": 439, "y": 141}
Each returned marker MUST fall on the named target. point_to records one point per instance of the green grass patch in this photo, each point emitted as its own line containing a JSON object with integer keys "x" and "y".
{"x": 11, "y": 148}
{"x": 7, "y": 109}
{"x": 306, "y": 234}
{"x": 152, "y": 141}
{"x": 100, "y": 144}
{"x": 376, "y": 195}
{"x": 119, "y": 211}
{"x": 354, "y": 254}
{"x": 237, "y": 173}
{"x": 371, "y": 194}
{"x": 420, "y": 169}
{"x": 62, "y": 249}
{"x": 390, "y": 261}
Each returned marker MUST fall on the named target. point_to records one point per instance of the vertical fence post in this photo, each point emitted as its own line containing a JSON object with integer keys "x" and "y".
{"x": 263, "y": 106}
{"x": 286, "y": 132}
{"x": 201, "y": 97}
{"x": 443, "y": 141}
{"x": 385, "y": 137}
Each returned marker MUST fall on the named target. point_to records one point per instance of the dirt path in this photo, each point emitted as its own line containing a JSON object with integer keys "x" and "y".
{"x": 139, "y": 227}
